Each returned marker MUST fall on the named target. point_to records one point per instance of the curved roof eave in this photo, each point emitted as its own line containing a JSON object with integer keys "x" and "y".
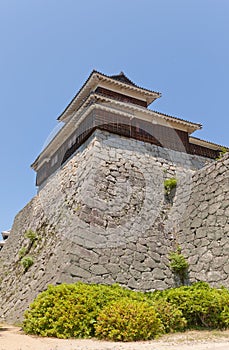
{"x": 95, "y": 75}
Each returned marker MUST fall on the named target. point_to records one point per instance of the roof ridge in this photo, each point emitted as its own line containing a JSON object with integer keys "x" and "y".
{"x": 123, "y": 78}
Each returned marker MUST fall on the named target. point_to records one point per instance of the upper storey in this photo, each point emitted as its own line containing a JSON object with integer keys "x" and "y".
{"x": 118, "y": 87}
{"x": 116, "y": 104}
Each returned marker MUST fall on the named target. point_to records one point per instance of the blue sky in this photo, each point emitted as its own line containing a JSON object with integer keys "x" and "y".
{"x": 48, "y": 49}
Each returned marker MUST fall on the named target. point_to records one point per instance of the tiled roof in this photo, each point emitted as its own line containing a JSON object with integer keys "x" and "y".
{"x": 196, "y": 126}
{"x": 208, "y": 142}
{"x": 76, "y": 94}
{"x": 123, "y": 78}
{"x": 120, "y": 77}
{"x": 176, "y": 118}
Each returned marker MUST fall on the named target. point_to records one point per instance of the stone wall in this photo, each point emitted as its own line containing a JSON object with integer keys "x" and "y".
{"x": 204, "y": 233}
{"x": 104, "y": 218}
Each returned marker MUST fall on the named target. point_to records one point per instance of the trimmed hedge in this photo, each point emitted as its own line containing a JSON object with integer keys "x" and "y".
{"x": 111, "y": 312}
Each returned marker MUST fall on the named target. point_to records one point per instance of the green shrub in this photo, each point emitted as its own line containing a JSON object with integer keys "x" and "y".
{"x": 128, "y": 320}
{"x": 22, "y": 252}
{"x": 26, "y": 262}
{"x": 201, "y": 305}
{"x": 178, "y": 263}
{"x": 222, "y": 152}
{"x": 71, "y": 310}
{"x": 31, "y": 235}
{"x": 111, "y": 312}
{"x": 170, "y": 316}
{"x": 169, "y": 185}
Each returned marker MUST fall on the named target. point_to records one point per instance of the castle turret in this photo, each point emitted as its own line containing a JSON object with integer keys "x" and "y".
{"x": 116, "y": 104}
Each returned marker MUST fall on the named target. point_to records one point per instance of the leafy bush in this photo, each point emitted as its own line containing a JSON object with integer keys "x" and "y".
{"x": 70, "y": 310}
{"x": 178, "y": 263}
{"x": 31, "y": 235}
{"x": 170, "y": 316}
{"x": 201, "y": 305}
{"x": 26, "y": 262}
{"x": 169, "y": 185}
{"x": 111, "y": 312}
{"x": 22, "y": 252}
{"x": 222, "y": 152}
{"x": 128, "y": 320}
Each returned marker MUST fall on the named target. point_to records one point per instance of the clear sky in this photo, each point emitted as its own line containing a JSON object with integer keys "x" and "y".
{"x": 49, "y": 47}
